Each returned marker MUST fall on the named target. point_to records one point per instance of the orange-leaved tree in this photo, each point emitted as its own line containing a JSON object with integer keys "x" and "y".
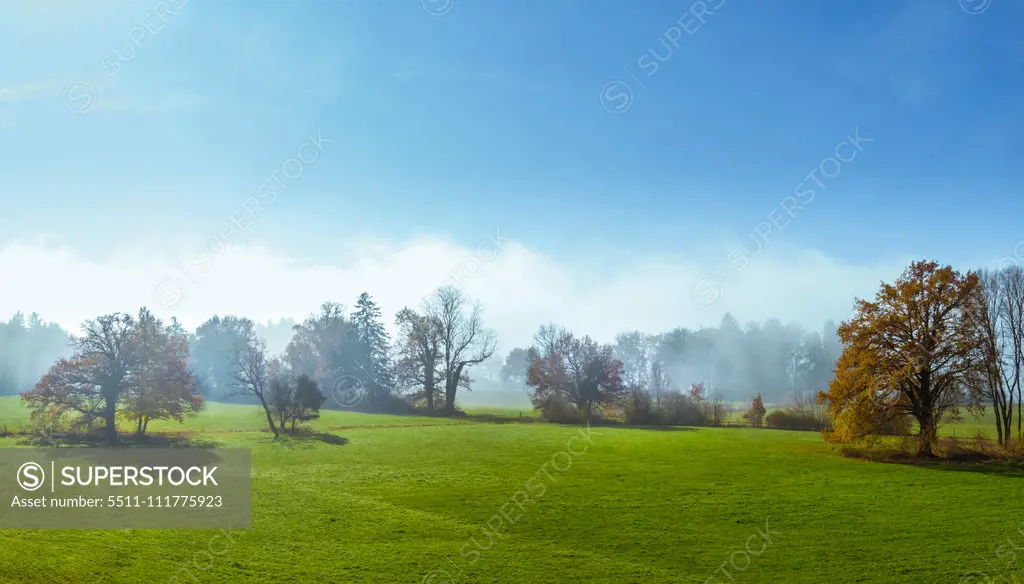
{"x": 755, "y": 415}
{"x": 910, "y": 352}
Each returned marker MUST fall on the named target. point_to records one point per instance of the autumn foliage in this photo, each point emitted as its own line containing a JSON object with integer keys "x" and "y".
{"x": 696, "y": 392}
{"x": 910, "y": 352}
{"x": 575, "y": 370}
{"x": 755, "y": 415}
{"x": 127, "y": 367}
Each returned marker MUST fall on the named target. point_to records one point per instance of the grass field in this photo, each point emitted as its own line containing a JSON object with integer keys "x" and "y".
{"x": 400, "y": 499}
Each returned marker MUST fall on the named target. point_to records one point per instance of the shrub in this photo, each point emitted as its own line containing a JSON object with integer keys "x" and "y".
{"x": 556, "y": 409}
{"x": 805, "y": 413}
{"x": 755, "y": 415}
{"x": 718, "y": 410}
{"x": 389, "y": 404}
{"x": 638, "y": 407}
{"x": 677, "y": 409}
{"x": 788, "y": 419}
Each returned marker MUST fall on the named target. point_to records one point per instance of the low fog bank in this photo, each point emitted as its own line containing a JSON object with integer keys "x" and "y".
{"x": 277, "y": 334}
{"x": 775, "y": 359}
{"x": 28, "y": 347}
{"x": 486, "y": 396}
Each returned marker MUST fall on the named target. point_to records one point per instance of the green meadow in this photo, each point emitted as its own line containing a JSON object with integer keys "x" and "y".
{"x": 375, "y": 498}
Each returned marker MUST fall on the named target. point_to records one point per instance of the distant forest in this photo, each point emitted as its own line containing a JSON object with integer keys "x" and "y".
{"x": 773, "y": 359}
{"x": 779, "y": 361}
{"x": 30, "y": 345}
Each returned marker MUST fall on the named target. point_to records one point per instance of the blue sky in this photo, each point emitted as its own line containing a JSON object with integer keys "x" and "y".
{"x": 490, "y": 115}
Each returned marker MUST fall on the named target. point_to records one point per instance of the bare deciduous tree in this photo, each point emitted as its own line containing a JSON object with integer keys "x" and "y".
{"x": 988, "y": 381}
{"x": 1012, "y": 317}
{"x": 719, "y": 409}
{"x": 659, "y": 382}
{"x": 250, "y": 371}
{"x": 463, "y": 341}
{"x": 997, "y": 315}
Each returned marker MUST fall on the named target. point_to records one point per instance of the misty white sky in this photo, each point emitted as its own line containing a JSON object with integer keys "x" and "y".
{"x": 519, "y": 287}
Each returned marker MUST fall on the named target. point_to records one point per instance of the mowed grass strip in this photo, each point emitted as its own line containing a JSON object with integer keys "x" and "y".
{"x": 220, "y": 417}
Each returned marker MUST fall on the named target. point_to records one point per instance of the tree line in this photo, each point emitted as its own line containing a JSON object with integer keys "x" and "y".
{"x": 927, "y": 345}
{"x": 135, "y": 368}
{"x": 776, "y": 360}
{"x": 340, "y": 358}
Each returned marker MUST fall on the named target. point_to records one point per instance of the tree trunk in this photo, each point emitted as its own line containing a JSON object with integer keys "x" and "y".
{"x": 110, "y": 418}
{"x": 1007, "y": 422}
{"x": 138, "y": 427}
{"x": 999, "y": 408}
{"x": 1008, "y": 415}
{"x": 270, "y": 418}
{"x": 999, "y": 420}
{"x": 449, "y": 395}
{"x": 145, "y": 425}
{"x": 451, "y": 387}
{"x": 449, "y": 399}
{"x": 428, "y": 385}
{"x": 926, "y": 436}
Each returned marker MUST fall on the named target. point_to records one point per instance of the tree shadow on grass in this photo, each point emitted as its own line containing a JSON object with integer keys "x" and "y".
{"x": 969, "y": 461}
{"x": 462, "y": 415}
{"x": 622, "y": 426}
{"x": 1013, "y": 470}
{"x": 495, "y": 419}
{"x": 306, "y": 440}
{"x": 129, "y": 441}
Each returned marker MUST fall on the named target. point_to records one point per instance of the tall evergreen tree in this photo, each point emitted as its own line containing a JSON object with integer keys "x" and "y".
{"x": 375, "y": 347}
